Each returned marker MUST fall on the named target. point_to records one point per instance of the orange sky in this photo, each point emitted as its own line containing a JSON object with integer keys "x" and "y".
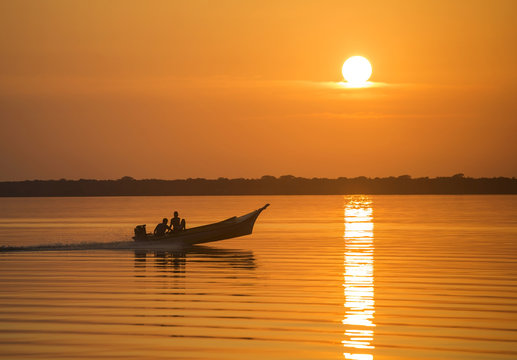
{"x": 165, "y": 89}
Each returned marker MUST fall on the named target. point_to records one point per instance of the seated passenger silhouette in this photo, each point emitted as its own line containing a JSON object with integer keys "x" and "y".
{"x": 177, "y": 224}
{"x": 161, "y": 228}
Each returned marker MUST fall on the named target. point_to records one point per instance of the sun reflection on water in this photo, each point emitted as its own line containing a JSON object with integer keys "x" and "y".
{"x": 358, "y": 278}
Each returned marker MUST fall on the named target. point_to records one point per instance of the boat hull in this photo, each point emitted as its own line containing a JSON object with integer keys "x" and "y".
{"x": 227, "y": 229}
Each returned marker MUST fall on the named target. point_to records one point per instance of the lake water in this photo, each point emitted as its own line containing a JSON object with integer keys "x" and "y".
{"x": 322, "y": 277}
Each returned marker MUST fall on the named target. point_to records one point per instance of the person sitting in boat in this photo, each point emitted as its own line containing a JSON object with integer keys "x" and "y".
{"x": 161, "y": 228}
{"x": 177, "y": 224}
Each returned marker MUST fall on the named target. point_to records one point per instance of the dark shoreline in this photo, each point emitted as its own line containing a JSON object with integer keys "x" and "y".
{"x": 267, "y": 185}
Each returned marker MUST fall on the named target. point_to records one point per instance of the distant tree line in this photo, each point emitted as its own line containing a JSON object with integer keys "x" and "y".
{"x": 266, "y": 185}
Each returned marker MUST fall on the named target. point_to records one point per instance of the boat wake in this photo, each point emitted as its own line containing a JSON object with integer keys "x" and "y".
{"x": 115, "y": 245}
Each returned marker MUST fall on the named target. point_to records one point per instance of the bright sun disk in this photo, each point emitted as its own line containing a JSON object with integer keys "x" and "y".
{"x": 357, "y": 70}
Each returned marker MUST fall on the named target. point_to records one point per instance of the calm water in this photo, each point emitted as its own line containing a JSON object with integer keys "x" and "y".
{"x": 322, "y": 277}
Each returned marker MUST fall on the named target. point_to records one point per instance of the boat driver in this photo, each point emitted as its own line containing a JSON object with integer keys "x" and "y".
{"x": 161, "y": 228}
{"x": 177, "y": 224}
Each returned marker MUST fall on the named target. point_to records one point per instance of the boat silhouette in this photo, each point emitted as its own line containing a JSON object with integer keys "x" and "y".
{"x": 226, "y": 229}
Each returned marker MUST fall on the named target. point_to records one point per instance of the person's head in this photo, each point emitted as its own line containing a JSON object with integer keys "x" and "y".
{"x": 165, "y": 220}
{"x": 176, "y": 214}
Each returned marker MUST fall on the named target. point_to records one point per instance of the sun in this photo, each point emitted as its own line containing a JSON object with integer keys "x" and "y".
{"x": 357, "y": 70}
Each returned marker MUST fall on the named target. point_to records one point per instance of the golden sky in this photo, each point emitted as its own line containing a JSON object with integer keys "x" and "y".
{"x": 177, "y": 89}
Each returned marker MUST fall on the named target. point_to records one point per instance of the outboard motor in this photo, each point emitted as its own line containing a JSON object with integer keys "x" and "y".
{"x": 140, "y": 232}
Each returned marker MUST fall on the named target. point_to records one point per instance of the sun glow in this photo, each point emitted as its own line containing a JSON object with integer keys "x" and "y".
{"x": 357, "y": 70}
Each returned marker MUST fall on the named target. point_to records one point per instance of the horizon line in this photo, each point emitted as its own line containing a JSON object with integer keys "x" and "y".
{"x": 272, "y": 177}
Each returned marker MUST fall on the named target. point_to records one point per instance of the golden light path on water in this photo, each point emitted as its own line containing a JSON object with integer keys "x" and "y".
{"x": 358, "y": 278}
